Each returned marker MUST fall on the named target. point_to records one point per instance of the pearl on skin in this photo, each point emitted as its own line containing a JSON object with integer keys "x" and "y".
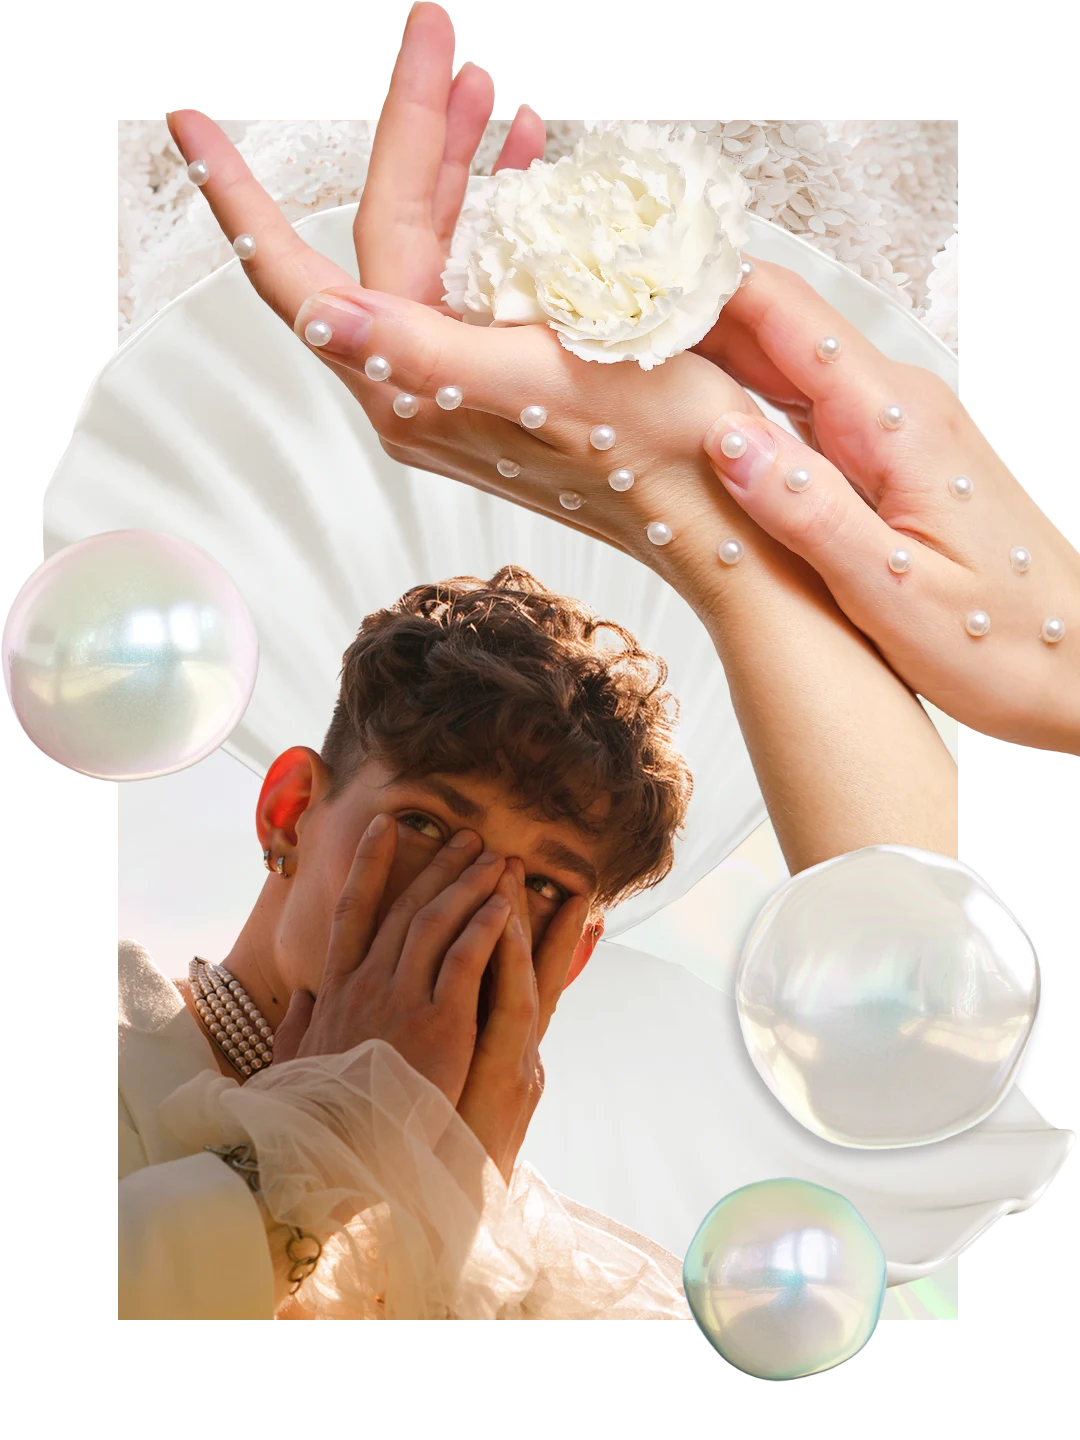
{"x": 509, "y": 468}
{"x": 244, "y": 245}
{"x": 746, "y": 273}
{"x": 318, "y": 332}
{"x": 827, "y": 349}
{"x": 1052, "y": 630}
{"x": 449, "y": 397}
{"x": 900, "y": 561}
{"x": 798, "y": 480}
{"x": 977, "y": 623}
{"x": 731, "y": 551}
{"x": 601, "y": 437}
{"x": 891, "y": 418}
{"x": 1020, "y": 559}
{"x": 533, "y": 416}
{"x": 961, "y": 487}
{"x": 571, "y": 500}
{"x": 658, "y": 532}
{"x": 376, "y": 367}
{"x": 406, "y": 405}
{"x": 733, "y": 444}
{"x": 198, "y": 172}
{"x": 621, "y": 479}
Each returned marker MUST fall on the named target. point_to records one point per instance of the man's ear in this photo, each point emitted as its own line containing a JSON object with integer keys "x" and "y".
{"x": 295, "y": 781}
{"x": 590, "y": 937}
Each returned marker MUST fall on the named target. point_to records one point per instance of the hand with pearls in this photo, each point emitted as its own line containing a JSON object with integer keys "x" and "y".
{"x": 925, "y": 539}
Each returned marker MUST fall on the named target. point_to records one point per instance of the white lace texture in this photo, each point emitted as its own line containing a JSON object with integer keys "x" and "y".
{"x": 880, "y": 195}
{"x": 364, "y": 1153}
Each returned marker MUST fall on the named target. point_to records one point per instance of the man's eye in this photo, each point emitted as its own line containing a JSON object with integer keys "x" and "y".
{"x": 415, "y": 821}
{"x": 556, "y": 891}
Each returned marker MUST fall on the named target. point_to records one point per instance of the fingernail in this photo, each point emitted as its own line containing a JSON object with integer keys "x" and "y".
{"x": 379, "y": 825}
{"x": 488, "y": 857}
{"x": 498, "y": 902}
{"x": 517, "y": 927}
{"x": 742, "y": 450}
{"x": 334, "y": 325}
{"x": 461, "y": 839}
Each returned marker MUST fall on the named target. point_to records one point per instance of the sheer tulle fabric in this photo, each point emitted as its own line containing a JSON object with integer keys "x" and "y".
{"x": 417, "y": 1223}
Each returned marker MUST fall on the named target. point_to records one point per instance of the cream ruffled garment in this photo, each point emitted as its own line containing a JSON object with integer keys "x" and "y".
{"x": 362, "y": 1151}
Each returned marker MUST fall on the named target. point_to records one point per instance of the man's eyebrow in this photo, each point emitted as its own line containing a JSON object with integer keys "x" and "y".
{"x": 553, "y": 850}
{"x": 560, "y": 854}
{"x": 460, "y": 804}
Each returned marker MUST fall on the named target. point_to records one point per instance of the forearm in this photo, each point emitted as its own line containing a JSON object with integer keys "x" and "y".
{"x": 844, "y": 752}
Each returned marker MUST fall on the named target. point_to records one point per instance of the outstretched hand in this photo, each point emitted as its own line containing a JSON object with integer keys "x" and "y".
{"x": 927, "y": 542}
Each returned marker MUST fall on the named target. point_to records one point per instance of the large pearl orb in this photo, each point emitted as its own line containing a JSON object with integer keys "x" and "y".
{"x": 601, "y": 437}
{"x": 406, "y": 406}
{"x": 900, "y": 560}
{"x": 621, "y": 479}
{"x": 659, "y": 533}
{"x": 1052, "y": 630}
{"x": 533, "y": 416}
{"x": 198, "y": 172}
{"x": 244, "y": 246}
{"x": 731, "y": 551}
{"x": 977, "y": 623}
{"x": 785, "y": 1279}
{"x": 448, "y": 397}
{"x": 377, "y": 367}
{"x": 886, "y": 997}
{"x": 130, "y": 654}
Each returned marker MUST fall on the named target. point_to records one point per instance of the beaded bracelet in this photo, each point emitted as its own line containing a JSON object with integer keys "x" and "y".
{"x": 243, "y": 1160}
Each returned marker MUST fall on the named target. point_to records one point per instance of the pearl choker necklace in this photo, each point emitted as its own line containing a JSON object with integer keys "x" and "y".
{"x": 231, "y": 1018}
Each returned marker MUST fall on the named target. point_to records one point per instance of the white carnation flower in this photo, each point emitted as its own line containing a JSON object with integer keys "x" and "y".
{"x": 628, "y": 247}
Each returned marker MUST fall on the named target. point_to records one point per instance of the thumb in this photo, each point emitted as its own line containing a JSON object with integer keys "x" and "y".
{"x": 801, "y": 499}
{"x": 497, "y": 369}
{"x": 291, "y": 1031}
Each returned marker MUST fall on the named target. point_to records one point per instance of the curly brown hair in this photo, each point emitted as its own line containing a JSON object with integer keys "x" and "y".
{"x": 507, "y": 679}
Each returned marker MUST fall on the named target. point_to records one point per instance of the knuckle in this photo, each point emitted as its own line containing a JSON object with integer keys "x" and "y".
{"x": 346, "y": 905}
{"x": 819, "y": 525}
{"x": 427, "y": 919}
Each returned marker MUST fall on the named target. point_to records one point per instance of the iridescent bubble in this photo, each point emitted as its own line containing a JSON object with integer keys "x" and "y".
{"x": 129, "y": 654}
{"x": 886, "y": 997}
{"x": 785, "y": 1279}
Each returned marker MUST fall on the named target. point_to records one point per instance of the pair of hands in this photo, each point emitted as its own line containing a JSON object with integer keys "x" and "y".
{"x": 415, "y": 981}
{"x": 873, "y": 490}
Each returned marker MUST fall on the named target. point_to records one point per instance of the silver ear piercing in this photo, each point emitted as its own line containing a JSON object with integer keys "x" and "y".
{"x": 281, "y": 868}
{"x": 449, "y": 397}
{"x": 244, "y": 246}
{"x": 891, "y": 418}
{"x": 266, "y": 861}
{"x": 198, "y": 172}
{"x": 376, "y": 367}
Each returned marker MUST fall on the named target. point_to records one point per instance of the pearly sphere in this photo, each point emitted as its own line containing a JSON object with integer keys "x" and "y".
{"x": 785, "y": 1279}
{"x": 533, "y": 416}
{"x": 961, "y": 487}
{"x": 244, "y": 246}
{"x": 129, "y": 654}
{"x": 508, "y": 468}
{"x": 828, "y": 349}
{"x": 900, "y": 560}
{"x": 198, "y": 172}
{"x": 571, "y": 500}
{"x": 977, "y": 623}
{"x": 798, "y": 479}
{"x": 602, "y": 437}
{"x": 1020, "y": 559}
{"x": 377, "y": 368}
{"x": 406, "y": 405}
{"x": 886, "y": 997}
{"x": 891, "y": 418}
{"x": 621, "y": 479}
{"x": 659, "y": 533}
{"x": 1052, "y": 630}
{"x": 731, "y": 551}
{"x": 448, "y": 397}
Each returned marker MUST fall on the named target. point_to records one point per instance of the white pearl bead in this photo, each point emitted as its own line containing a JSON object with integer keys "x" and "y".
{"x": 571, "y": 500}
{"x": 198, "y": 172}
{"x": 406, "y": 405}
{"x": 1020, "y": 559}
{"x": 733, "y": 444}
{"x": 961, "y": 487}
{"x": 977, "y": 623}
{"x": 449, "y": 397}
{"x": 900, "y": 561}
{"x": 1053, "y": 630}
{"x": 658, "y": 532}
{"x": 731, "y": 551}
{"x": 798, "y": 480}
{"x": 377, "y": 368}
{"x": 509, "y": 468}
{"x": 621, "y": 479}
{"x": 533, "y": 416}
{"x": 891, "y": 418}
{"x": 601, "y": 437}
{"x": 318, "y": 332}
{"x": 828, "y": 349}
{"x": 244, "y": 245}
{"x": 746, "y": 273}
